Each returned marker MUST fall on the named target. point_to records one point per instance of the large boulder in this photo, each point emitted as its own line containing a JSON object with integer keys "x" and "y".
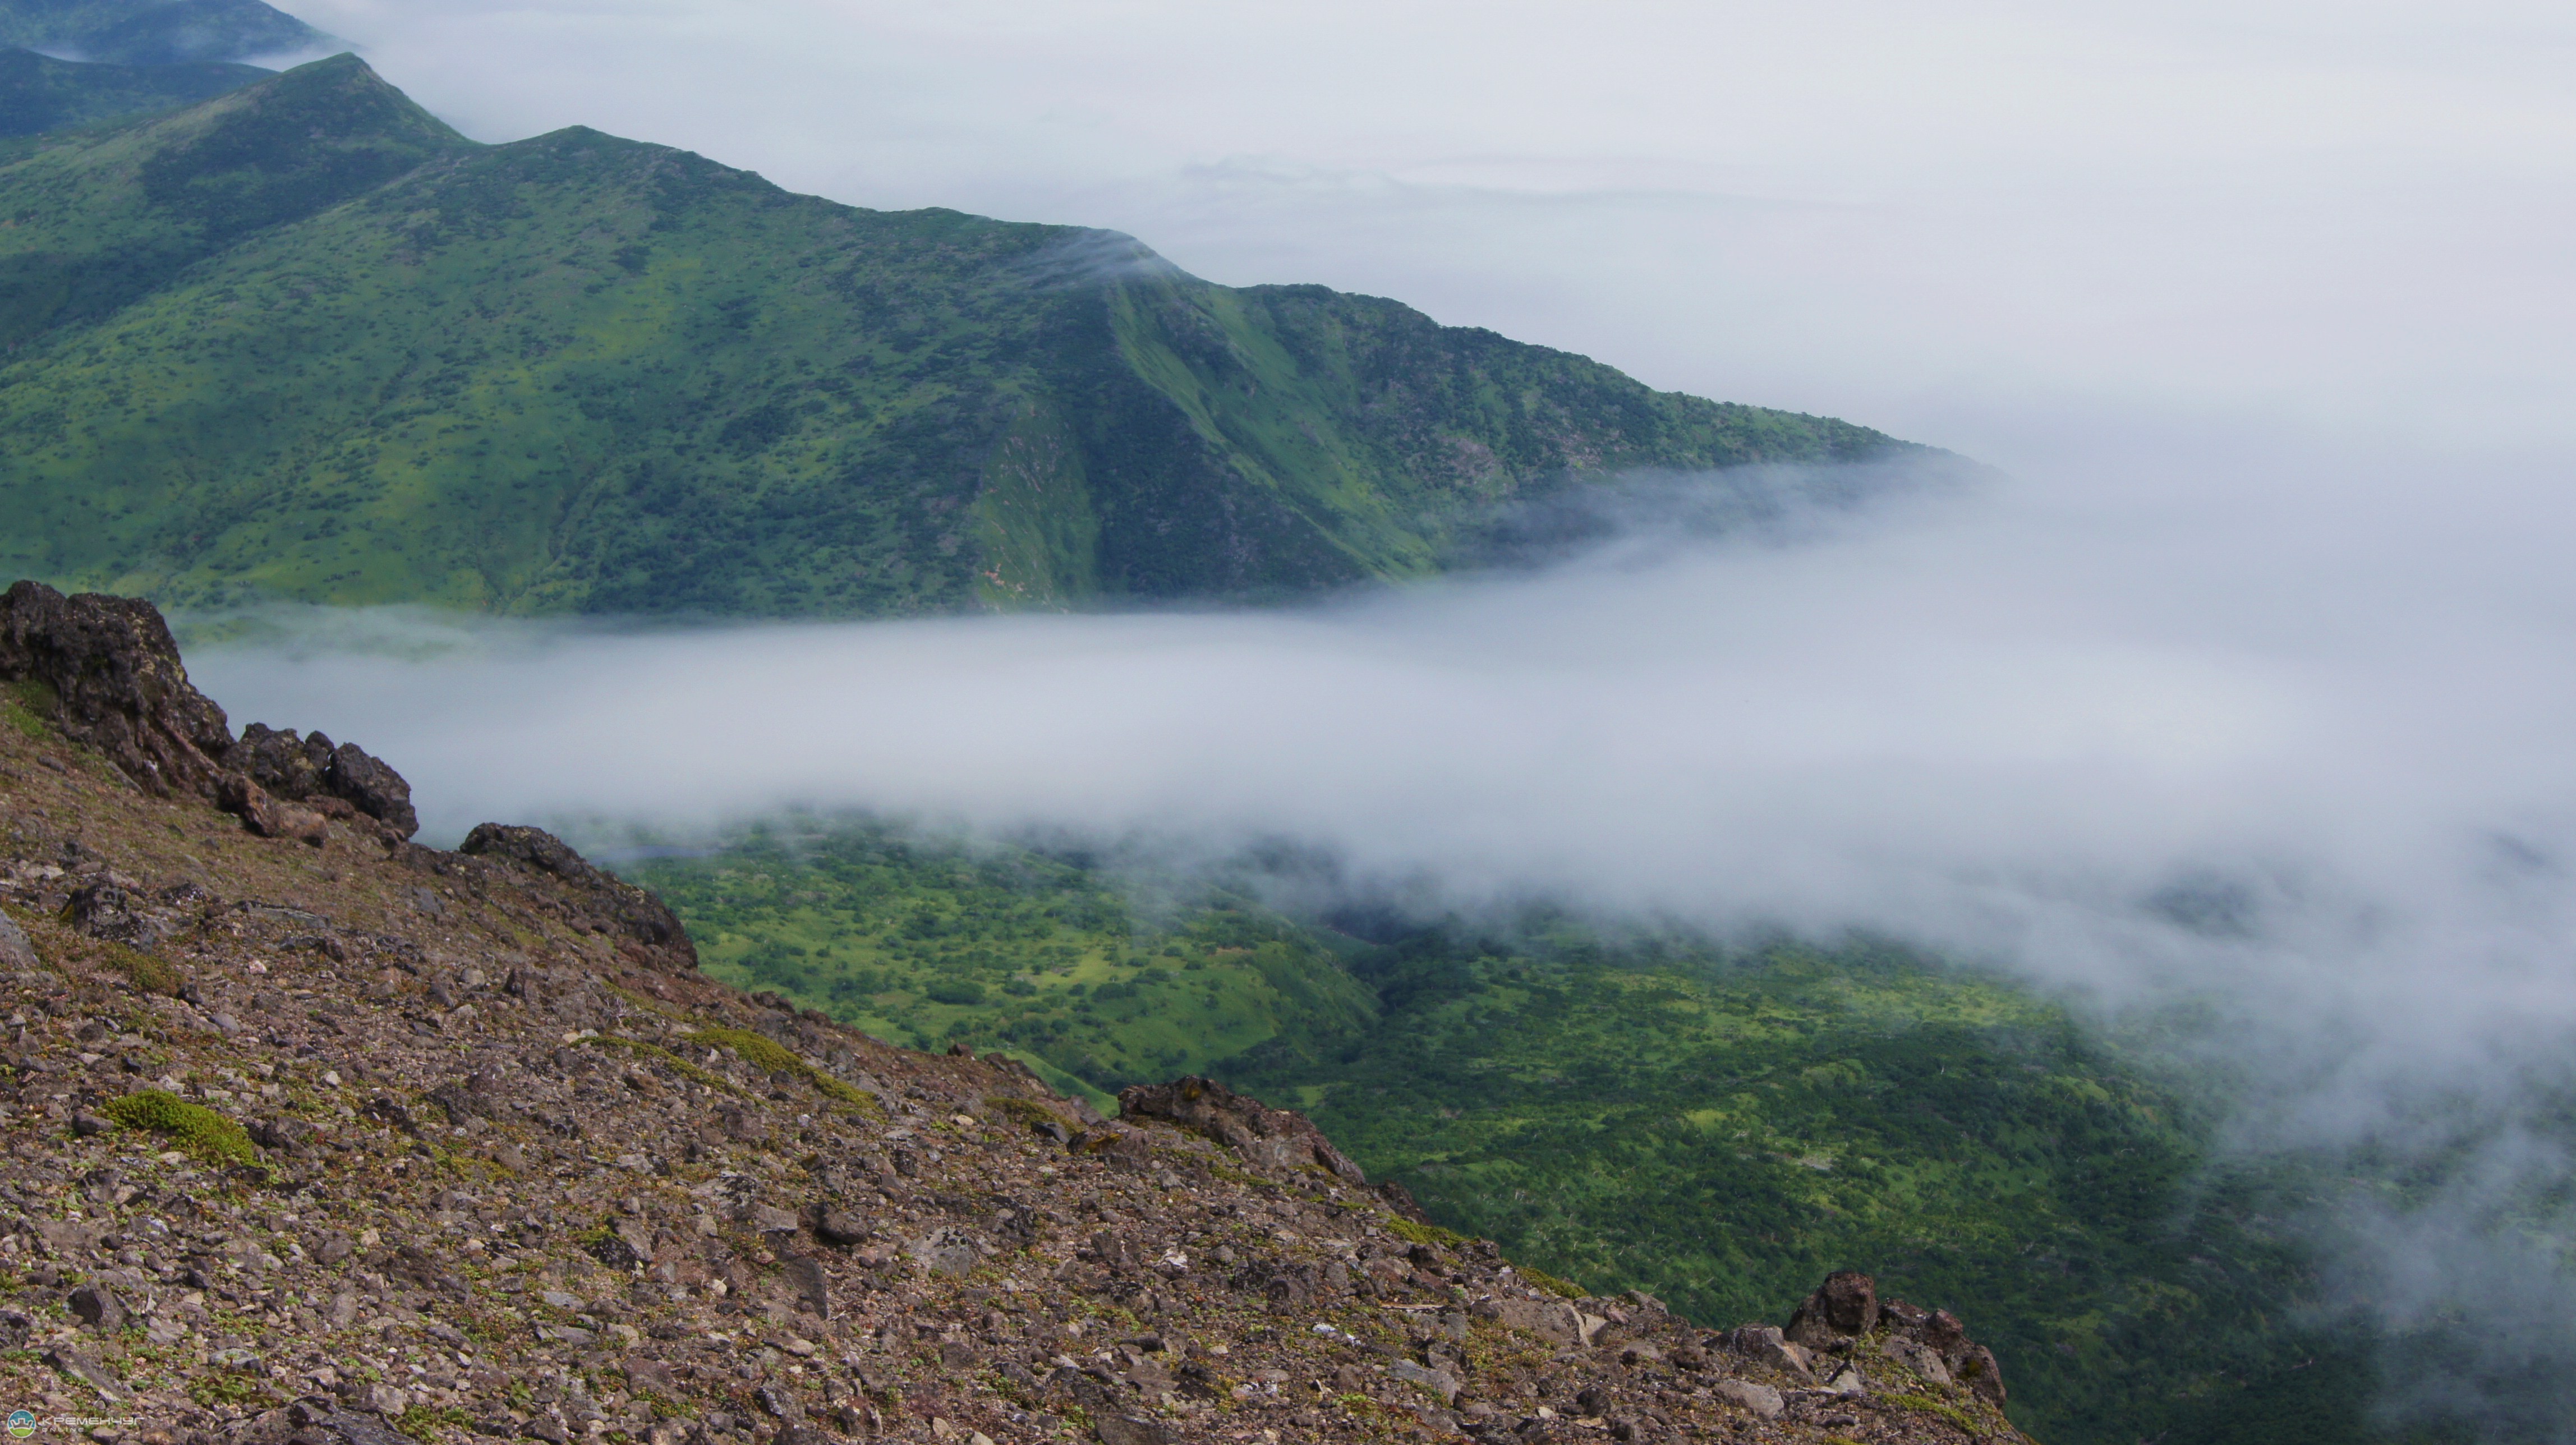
{"x": 106, "y": 673}
{"x": 1844, "y": 1307}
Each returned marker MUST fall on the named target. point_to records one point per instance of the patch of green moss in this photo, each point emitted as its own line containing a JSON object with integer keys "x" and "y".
{"x": 230, "y": 1387}
{"x": 769, "y": 1054}
{"x": 1426, "y": 1233}
{"x": 422, "y": 1422}
{"x": 1937, "y": 1408}
{"x": 192, "y": 1127}
{"x": 26, "y": 705}
{"x": 1566, "y": 1288}
{"x": 147, "y": 973}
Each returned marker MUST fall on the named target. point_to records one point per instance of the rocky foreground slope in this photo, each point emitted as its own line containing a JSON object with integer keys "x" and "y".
{"x": 316, "y": 1135}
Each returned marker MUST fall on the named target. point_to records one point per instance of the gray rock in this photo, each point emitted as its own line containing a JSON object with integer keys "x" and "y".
{"x": 1847, "y": 1381}
{"x": 1763, "y": 1344}
{"x": 1438, "y": 1381}
{"x": 98, "y": 1308}
{"x": 1922, "y": 1359}
{"x": 1133, "y": 1430}
{"x": 804, "y": 1274}
{"x": 361, "y": 1430}
{"x": 1762, "y": 1400}
{"x": 768, "y": 1219}
{"x": 842, "y": 1227}
{"x": 946, "y": 1251}
{"x": 1975, "y": 1368}
{"x": 15, "y": 951}
{"x": 88, "y": 1371}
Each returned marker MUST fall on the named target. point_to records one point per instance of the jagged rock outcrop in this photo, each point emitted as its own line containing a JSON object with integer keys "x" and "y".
{"x": 106, "y": 671}
{"x": 301, "y": 769}
{"x": 383, "y": 1145}
{"x": 613, "y": 904}
{"x": 1279, "y": 1138}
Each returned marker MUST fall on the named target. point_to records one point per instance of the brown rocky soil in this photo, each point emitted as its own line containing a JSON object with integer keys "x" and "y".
{"x": 506, "y": 1166}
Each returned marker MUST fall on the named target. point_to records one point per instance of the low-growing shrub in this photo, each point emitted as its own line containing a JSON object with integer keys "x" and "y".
{"x": 1537, "y": 1276}
{"x": 192, "y": 1127}
{"x": 1427, "y": 1233}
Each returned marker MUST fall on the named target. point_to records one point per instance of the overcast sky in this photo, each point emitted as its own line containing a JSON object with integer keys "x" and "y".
{"x": 1936, "y": 219}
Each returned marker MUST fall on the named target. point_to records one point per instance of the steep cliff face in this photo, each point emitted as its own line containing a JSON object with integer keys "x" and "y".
{"x": 330, "y": 1137}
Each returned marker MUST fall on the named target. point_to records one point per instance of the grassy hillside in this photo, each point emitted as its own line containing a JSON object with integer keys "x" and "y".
{"x": 39, "y": 94}
{"x": 1717, "y": 1126}
{"x": 156, "y": 32}
{"x": 100, "y": 220}
{"x": 304, "y": 342}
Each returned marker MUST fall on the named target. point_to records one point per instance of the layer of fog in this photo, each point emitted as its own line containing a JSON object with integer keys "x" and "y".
{"x": 2313, "y": 768}
{"x": 2344, "y": 213}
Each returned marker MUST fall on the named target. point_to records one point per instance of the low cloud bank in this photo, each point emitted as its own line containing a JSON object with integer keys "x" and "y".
{"x": 2308, "y": 763}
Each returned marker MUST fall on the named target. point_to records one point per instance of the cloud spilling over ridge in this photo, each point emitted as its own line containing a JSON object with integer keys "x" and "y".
{"x": 2318, "y": 774}
{"x": 1885, "y": 211}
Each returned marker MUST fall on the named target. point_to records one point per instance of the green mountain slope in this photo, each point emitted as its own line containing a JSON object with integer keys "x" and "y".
{"x": 156, "y": 32}
{"x": 1717, "y": 1126}
{"x": 39, "y": 94}
{"x": 303, "y": 342}
{"x": 101, "y": 220}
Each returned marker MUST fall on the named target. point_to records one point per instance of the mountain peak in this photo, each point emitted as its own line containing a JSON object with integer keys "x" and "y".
{"x": 129, "y": 207}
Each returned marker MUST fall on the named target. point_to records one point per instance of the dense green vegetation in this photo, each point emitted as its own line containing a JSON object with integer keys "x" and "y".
{"x": 156, "y": 32}
{"x": 928, "y": 945}
{"x": 303, "y": 341}
{"x": 39, "y": 94}
{"x": 1720, "y": 1125}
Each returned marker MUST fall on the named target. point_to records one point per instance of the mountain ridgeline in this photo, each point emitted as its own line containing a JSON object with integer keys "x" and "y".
{"x": 39, "y": 93}
{"x": 304, "y": 341}
{"x": 156, "y": 32}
